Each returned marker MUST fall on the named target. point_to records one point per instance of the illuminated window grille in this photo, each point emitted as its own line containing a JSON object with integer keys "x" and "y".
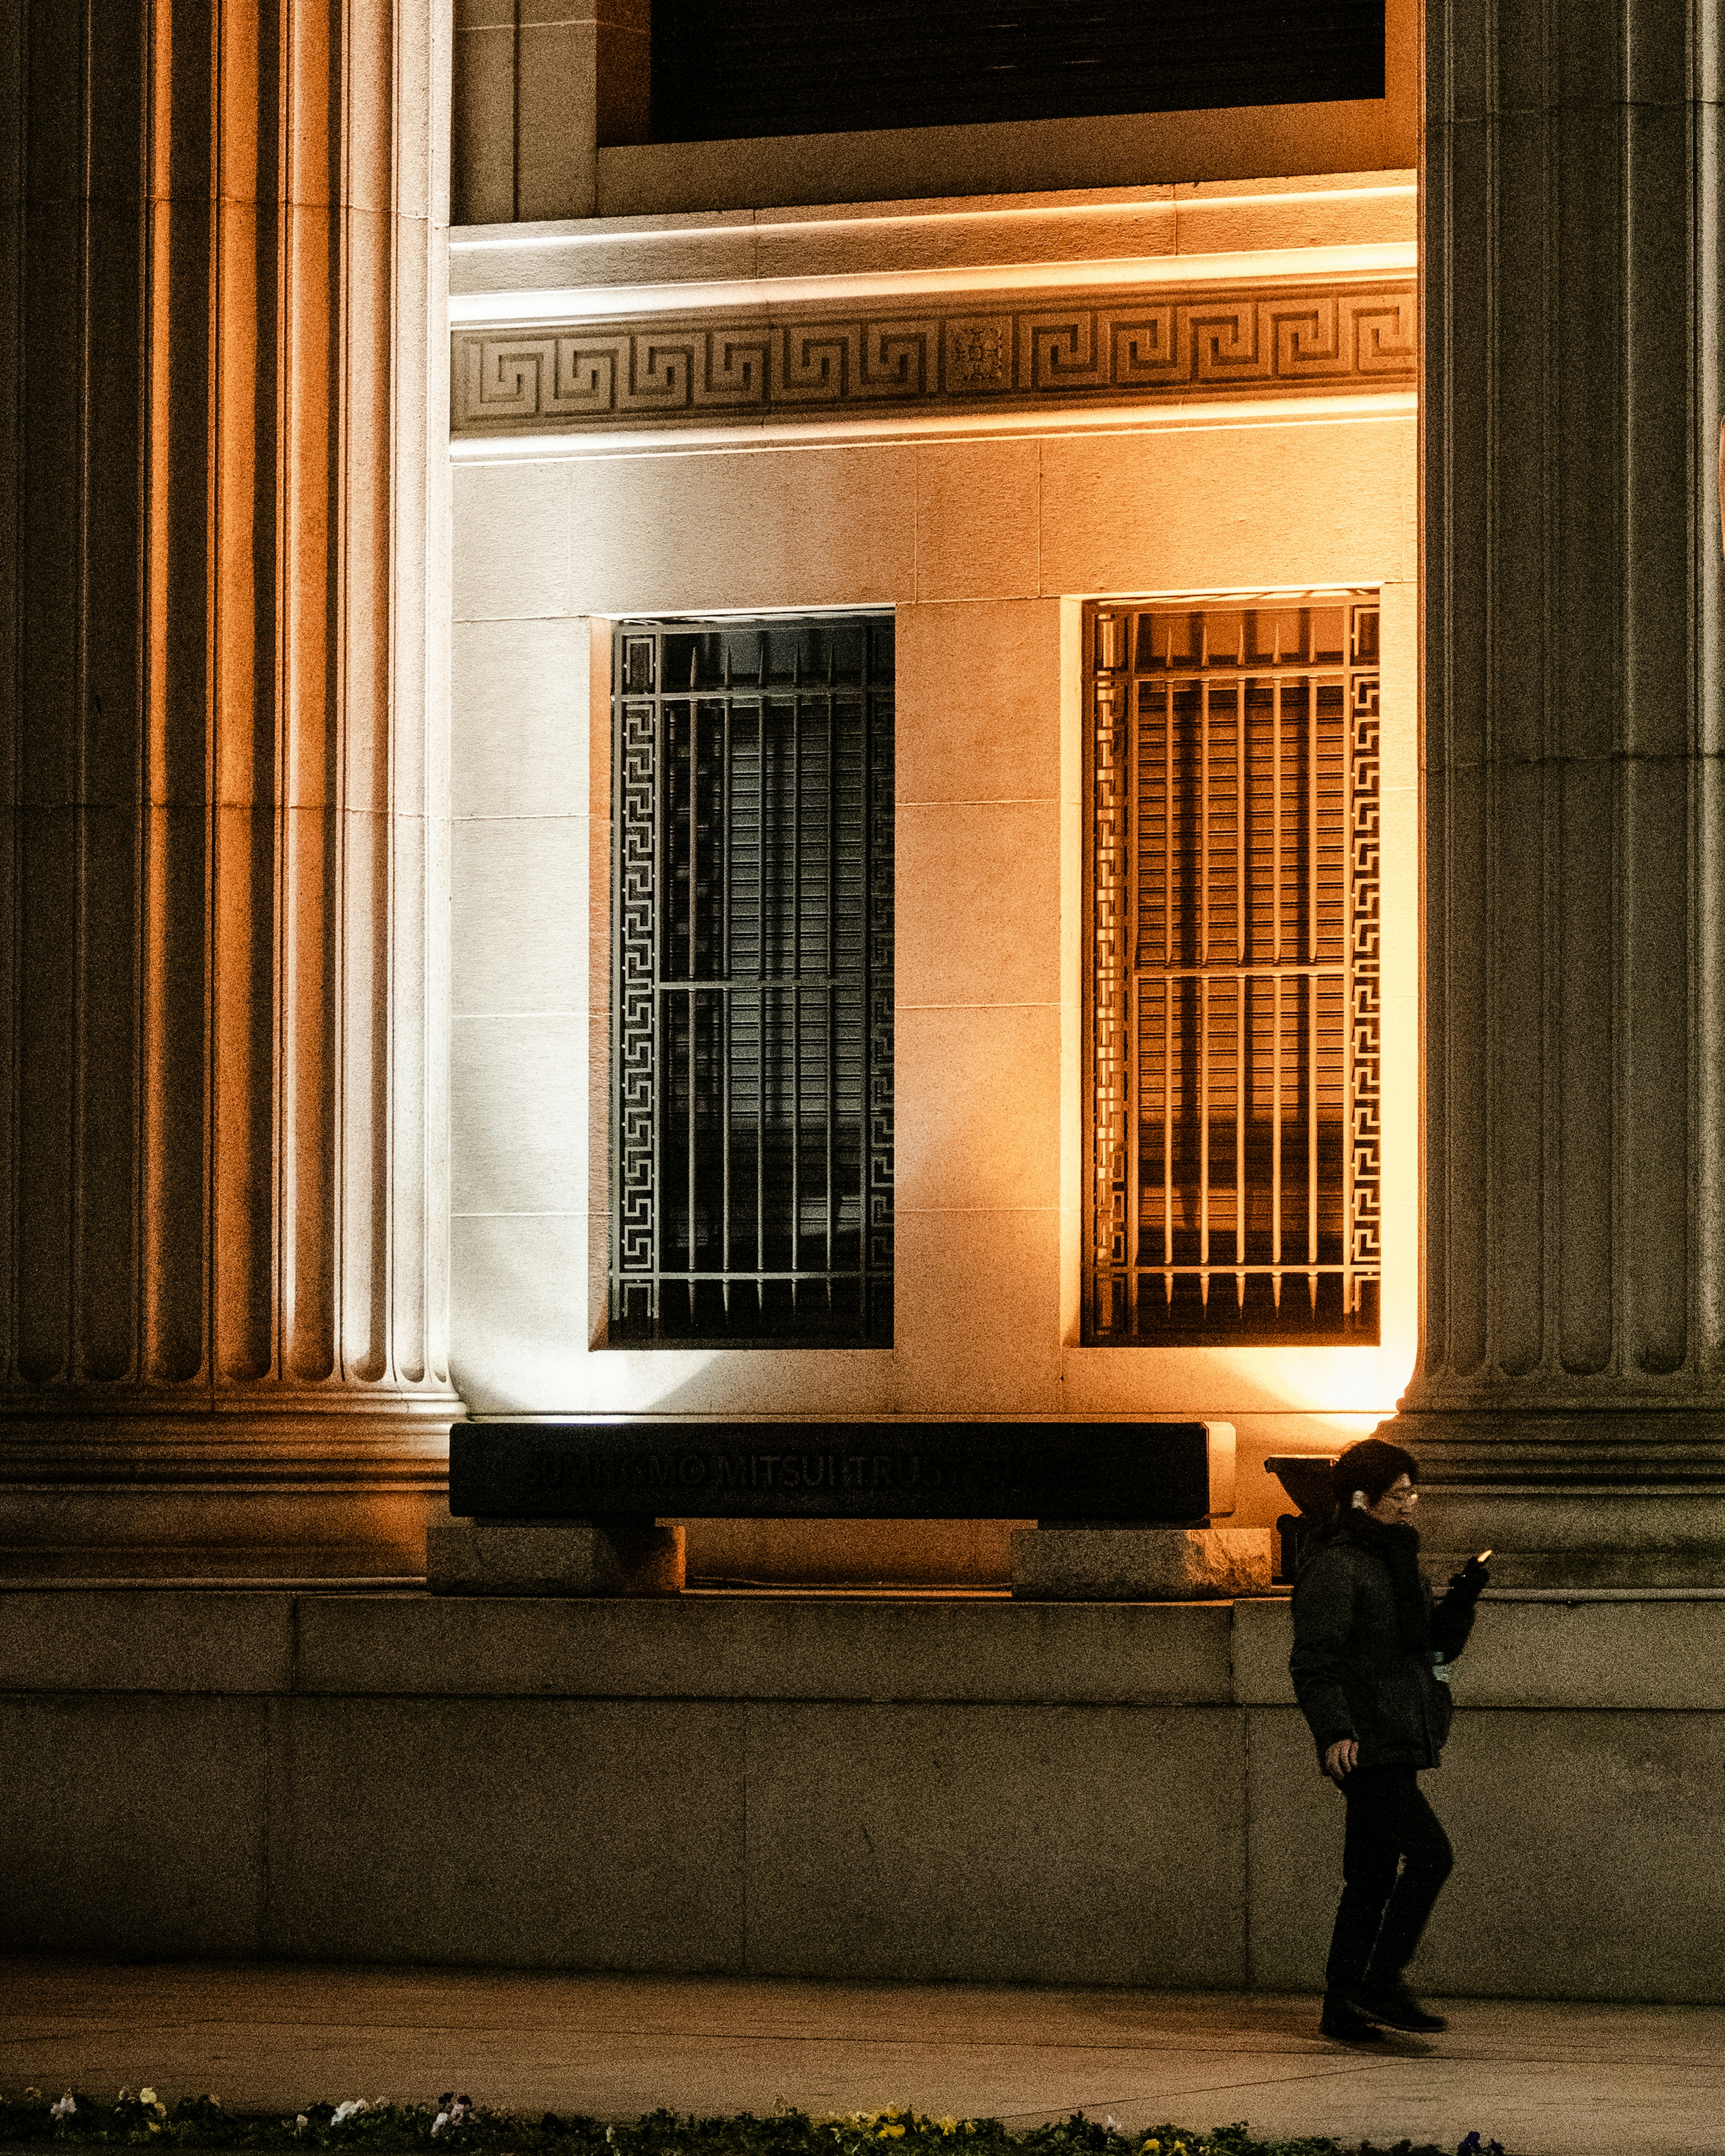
{"x": 1232, "y": 1078}
{"x": 752, "y": 998}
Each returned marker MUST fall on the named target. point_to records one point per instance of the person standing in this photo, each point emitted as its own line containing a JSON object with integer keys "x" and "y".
{"x": 1370, "y": 1666}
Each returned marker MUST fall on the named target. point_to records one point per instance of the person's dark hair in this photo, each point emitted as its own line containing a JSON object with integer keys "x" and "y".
{"x": 1371, "y": 1465}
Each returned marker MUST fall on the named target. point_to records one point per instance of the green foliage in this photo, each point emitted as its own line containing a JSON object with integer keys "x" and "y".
{"x": 452, "y": 2126}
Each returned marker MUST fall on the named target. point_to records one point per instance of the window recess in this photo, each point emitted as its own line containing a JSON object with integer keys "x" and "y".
{"x": 752, "y": 972}
{"x": 731, "y": 69}
{"x": 1232, "y": 1027}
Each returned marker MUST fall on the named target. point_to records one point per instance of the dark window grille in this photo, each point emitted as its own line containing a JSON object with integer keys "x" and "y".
{"x": 1232, "y": 1037}
{"x": 751, "y": 1001}
{"x": 727, "y": 70}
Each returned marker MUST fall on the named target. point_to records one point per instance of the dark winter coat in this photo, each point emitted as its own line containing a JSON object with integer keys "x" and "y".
{"x": 1365, "y": 1629}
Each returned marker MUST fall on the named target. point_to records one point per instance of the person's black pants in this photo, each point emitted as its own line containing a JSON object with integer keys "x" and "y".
{"x": 1377, "y": 1926}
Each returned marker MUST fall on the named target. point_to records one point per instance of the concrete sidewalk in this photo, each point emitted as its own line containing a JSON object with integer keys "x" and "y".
{"x": 1545, "y": 2080}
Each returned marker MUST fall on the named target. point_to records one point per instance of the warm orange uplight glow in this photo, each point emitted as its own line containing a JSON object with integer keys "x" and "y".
{"x": 578, "y": 303}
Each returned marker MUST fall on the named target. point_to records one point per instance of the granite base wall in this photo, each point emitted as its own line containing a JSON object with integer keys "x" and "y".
{"x": 968, "y": 1788}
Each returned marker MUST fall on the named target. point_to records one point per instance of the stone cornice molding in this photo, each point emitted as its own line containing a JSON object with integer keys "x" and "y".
{"x": 526, "y": 289}
{"x": 1061, "y": 351}
{"x": 1324, "y": 231}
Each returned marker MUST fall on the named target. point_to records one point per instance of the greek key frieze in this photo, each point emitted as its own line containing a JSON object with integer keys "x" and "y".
{"x": 1119, "y": 348}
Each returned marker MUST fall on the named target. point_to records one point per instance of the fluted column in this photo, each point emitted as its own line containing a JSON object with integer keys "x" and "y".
{"x": 221, "y": 1153}
{"x": 1568, "y": 1407}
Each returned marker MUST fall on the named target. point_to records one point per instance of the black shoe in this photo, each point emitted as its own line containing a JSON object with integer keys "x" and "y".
{"x": 1394, "y": 2005}
{"x": 1342, "y": 2020}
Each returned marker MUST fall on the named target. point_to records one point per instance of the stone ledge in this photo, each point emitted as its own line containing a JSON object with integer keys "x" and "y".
{"x": 708, "y": 1647}
{"x": 1656, "y": 1655}
{"x": 147, "y": 1639}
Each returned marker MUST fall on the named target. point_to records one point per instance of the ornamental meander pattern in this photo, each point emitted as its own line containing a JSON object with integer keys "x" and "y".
{"x": 1117, "y": 348}
{"x": 751, "y": 1101}
{"x": 1233, "y": 1054}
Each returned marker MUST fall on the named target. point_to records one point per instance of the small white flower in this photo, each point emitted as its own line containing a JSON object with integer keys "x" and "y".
{"x": 350, "y": 2109}
{"x": 65, "y": 2108}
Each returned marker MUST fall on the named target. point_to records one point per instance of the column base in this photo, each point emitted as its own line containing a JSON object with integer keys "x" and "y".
{"x": 1139, "y": 1564}
{"x": 328, "y": 1487}
{"x": 551, "y": 1556}
{"x": 1592, "y": 1498}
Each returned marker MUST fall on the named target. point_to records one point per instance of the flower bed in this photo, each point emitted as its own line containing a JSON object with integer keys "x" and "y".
{"x": 76, "y": 2120}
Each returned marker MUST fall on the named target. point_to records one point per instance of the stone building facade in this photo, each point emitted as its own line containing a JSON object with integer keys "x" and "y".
{"x": 325, "y": 522}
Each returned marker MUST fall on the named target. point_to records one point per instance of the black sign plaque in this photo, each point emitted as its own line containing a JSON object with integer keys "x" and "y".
{"x": 1105, "y": 1472}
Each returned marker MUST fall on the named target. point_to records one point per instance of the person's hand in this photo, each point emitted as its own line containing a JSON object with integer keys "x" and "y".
{"x": 1471, "y": 1580}
{"x": 1341, "y": 1759}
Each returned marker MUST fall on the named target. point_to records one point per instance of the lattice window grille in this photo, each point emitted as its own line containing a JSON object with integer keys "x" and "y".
{"x": 1233, "y": 1062}
{"x": 751, "y": 1136}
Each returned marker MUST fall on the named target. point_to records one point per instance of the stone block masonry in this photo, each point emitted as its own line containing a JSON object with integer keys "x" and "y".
{"x": 1151, "y": 1564}
{"x": 951, "y": 1787}
{"x": 551, "y": 1557}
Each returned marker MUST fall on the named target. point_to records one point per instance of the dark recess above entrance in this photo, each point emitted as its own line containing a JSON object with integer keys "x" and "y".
{"x": 733, "y": 70}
